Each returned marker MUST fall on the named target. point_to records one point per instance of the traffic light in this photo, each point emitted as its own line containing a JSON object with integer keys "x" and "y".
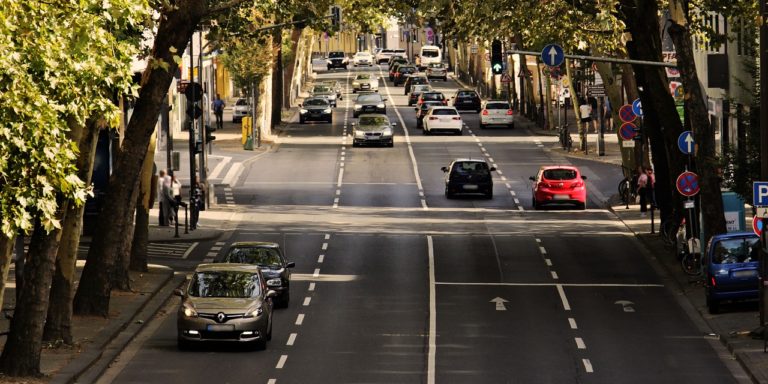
{"x": 497, "y": 57}
{"x": 209, "y": 133}
{"x": 335, "y": 16}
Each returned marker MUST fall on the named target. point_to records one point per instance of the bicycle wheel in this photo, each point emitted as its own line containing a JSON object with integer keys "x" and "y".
{"x": 624, "y": 191}
{"x": 691, "y": 264}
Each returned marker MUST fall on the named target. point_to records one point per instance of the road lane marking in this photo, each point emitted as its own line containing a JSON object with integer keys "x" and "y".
{"x": 517, "y": 201}
{"x": 272, "y": 381}
{"x": 561, "y": 291}
{"x": 580, "y": 343}
{"x": 281, "y": 362}
{"x": 216, "y": 248}
{"x": 312, "y": 286}
{"x": 341, "y": 176}
{"x": 320, "y": 259}
{"x": 548, "y": 262}
{"x": 554, "y": 275}
{"x": 576, "y": 285}
{"x": 300, "y": 319}
{"x": 189, "y": 250}
{"x": 538, "y": 240}
{"x": 306, "y": 301}
{"x": 316, "y": 273}
{"x": 572, "y": 323}
{"x": 587, "y": 365}
{"x": 542, "y": 250}
{"x": 327, "y": 236}
{"x": 291, "y": 339}
{"x": 432, "y": 314}
{"x": 325, "y": 246}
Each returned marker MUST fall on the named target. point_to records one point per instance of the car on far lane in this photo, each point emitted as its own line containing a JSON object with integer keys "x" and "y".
{"x": 393, "y": 68}
{"x": 365, "y": 82}
{"x": 732, "y": 268}
{"x": 467, "y": 99}
{"x": 322, "y": 90}
{"x": 315, "y": 108}
{"x": 431, "y": 96}
{"x": 437, "y": 71}
{"x": 372, "y": 129}
{"x": 362, "y": 58}
{"x": 337, "y": 59}
{"x": 559, "y": 185}
{"x": 225, "y": 303}
{"x": 369, "y": 103}
{"x": 442, "y": 119}
{"x": 468, "y": 176}
{"x": 270, "y": 259}
{"x": 497, "y": 112}
{"x": 416, "y": 91}
{"x": 422, "y": 111}
{"x": 385, "y": 54}
{"x": 240, "y": 110}
{"x": 402, "y": 72}
{"x": 335, "y": 85}
{"x": 395, "y": 59}
{"x": 412, "y": 80}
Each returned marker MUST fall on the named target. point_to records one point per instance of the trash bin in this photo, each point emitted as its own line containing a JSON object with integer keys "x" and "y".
{"x": 248, "y": 143}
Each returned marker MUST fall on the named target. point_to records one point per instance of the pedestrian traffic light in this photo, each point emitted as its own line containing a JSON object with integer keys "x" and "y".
{"x": 497, "y": 57}
{"x": 209, "y": 133}
{"x": 335, "y": 16}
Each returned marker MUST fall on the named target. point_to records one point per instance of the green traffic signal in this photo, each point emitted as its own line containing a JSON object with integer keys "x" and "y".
{"x": 497, "y": 57}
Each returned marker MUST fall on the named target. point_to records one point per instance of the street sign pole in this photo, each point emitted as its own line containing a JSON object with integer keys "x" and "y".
{"x": 191, "y": 126}
{"x": 601, "y": 137}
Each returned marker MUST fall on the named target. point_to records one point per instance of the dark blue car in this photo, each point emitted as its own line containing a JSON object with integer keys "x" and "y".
{"x": 732, "y": 268}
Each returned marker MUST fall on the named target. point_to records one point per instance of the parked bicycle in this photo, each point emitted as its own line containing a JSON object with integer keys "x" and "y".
{"x": 675, "y": 235}
{"x": 565, "y": 138}
{"x": 691, "y": 261}
{"x": 628, "y": 187}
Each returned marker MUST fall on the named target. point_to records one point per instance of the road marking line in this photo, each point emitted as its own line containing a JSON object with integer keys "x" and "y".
{"x": 572, "y": 323}
{"x": 320, "y": 259}
{"x": 300, "y": 319}
{"x": 306, "y": 301}
{"x": 432, "y": 314}
{"x": 517, "y": 201}
{"x": 508, "y": 187}
{"x": 587, "y": 365}
{"x": 341, "y": 165}
{"x": 580, "y": 343}
{"x": 424, "y": 204}
{"x": 564, "y": 299}
{"x": 338, "y": 192}
{"x": 327, "y": 236}
{"x": 208, "y": 260}
{"x": 548, "y": 262}
{"x": 542, "y": 250}
{"x": 317, "y": 273}
{"x": 575, "y": 285}
{"x": 499, "y": 172}
{"x": 291, "y": 339}
{"x": 281, "y": 362}
{"x": 216, "y": 248}
{"x": 504, "y": 178}
{"x": 520, "y": 208}
{"x": 342, "y": 158}
{"x": 341, "y": 175}
{"x": 189, "y": 250}
{"x": 312, "y": 286}
{"x": 325, "y": 246}
{"x": 336, "y": 201}
{"x": 513, "y": 192}
{"x": 221, "y": 243}
{"x": 421, "y": 193}
{"x": 211, "y": 254}
{"x": 272, "y": 381}
{"x": 490, "y": 159}
{"x": 538, "y": 240}
{"x": 554, "y": 275}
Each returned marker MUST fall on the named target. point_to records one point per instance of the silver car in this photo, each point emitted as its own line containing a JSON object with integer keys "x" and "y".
{"x": 335, "y": 85}
{"x": 365, "y": 82}
{"x": 240, "y": 110}
{"x": 225, "y": 302}
{"x": 372, "y": 129}
{"x": 437, "y": 71}
{"x": 324, "y": 91}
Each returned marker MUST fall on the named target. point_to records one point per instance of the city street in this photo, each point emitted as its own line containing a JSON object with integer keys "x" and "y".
{"x": 395, "y": 283}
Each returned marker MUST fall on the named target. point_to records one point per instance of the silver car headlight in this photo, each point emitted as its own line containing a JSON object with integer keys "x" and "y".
{"x": 189, "y": 310}
{"x": 274, "y": 282}
{"x": 303, "y": 111}
{"x": 359, "y": 134}
{"x": 327, "y": 110}
{"x": 387, "y": 132}
{"x": 254, "y": 312}
{"x": 380, "y": 105}
{"x": 329, "y": 62}
{"x": 355, "y": 84}
{"x": 358, "y": 106}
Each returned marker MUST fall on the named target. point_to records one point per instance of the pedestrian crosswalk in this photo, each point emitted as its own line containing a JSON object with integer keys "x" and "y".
{"x": 156, "y": 250}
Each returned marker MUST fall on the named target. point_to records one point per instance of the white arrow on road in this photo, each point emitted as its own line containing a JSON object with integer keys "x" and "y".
{"x": 689, "y": 141}
{"x": 500, "y": 303}
{"x": 552, "y": 55}
{"x": 626, "y": 305}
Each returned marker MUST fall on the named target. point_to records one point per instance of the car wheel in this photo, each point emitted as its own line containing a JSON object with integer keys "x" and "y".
{"x": 330, "y": 121}
{"x": 355, "y": 144}
{"x": 478, "y": 110}
{"x": 354, "y": 91}
{"x": 535, "y": 204}
{"x": 512, "y": 126}
{"x": 260, "y": 344}
{"x": 354, "y": 115}
{"x": 391, "y": 144}
{"x": 425, "y": 131}
{"x": 269, "y": 333}
{"x": 489, "y": 195}
{"x": 410, "y": 104}
{"x": 582, "y": 206}
{"x": 445, "y": 78}
{"x": 482, "y": 126}
{"x": 459, "y": 132}
{"x": 448, "y": 193}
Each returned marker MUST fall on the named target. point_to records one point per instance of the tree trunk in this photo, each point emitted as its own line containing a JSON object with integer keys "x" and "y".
{"x": 6, "y": 250}
{"x": 713, "y": 219}
{"x": 144, "y": 203}
{"x": 21, "y": 354}
{"x": 176, "y": 28}
{"x": 121, "y": 278}
{"x": 277, "y": 79}
{"x": 290, "y": 67}
{"x": 58, "y": 325}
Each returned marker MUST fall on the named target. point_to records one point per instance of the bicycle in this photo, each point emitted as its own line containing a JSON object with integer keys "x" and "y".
{"x": 691, "y": 261}
{"x": 565, "y": 138}
{"x": 626, "y": 192}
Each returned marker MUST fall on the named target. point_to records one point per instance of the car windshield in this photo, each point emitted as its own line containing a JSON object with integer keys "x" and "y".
{"x": 474, "y": 167}
{"x": 418, "y": 80}
{"x": 241, "y": 102}
{"x": 407, "y": 69}
{"x": 372, "y": 98}
{"x": 361, "y": 54}
{"x": 429, "y": 105}
{"x": 318, "y": 101}
{"x": 335, "y": 55}
{"x": 445, "y": 112}
{"x": 741, "y": 250}
{"x": 321, "y": 90}
{"x": 373, "y": 120}
{"x": 420, "y": 88}
{"x": 466, "y": 95}
{"x": 433, "y": 96}
{"x": 225, "y": 284}
{"x": 363, "y": 77}
{"x": 497, "y": 106}
{"x": 559, "y": 174}
{"x": 260, "y": 256}
{"x": 430, "y": 53}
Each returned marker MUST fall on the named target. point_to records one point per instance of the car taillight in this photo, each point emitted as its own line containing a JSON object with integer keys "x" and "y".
{"x": 445, "y": 102}
{"x": 714, "y": 283}
{"x": 456, "y": 118}
{"x": 577, "y": 184}
{"x": 432, "y": 118}
{"x": 509, "y": 112}
{"x": 485, "y": 112}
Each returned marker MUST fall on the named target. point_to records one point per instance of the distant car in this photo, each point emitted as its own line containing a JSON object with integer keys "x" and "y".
{"x": 559, "y": 185}
{"x": 437, "y": 71}
{"x": 225, "y": 303}
{"x": 414, "y": 80}
{"x": 396, "y": 59}
{"x": 401, "y": 73}
{"x": 442, "y": 119}
{"x": 467, "y": 99}
{"x": 337, "y": 59}
{"x": 416, "y": 91}
{"x": 369, "y": 103}
{"x": 323, "y": 90}
{"x": 362, "y": 58}
{"x": 431, "y": 96}
{"x": 385, "y": 54}
{"x": 365, "y": 82}
{"x": 468, "y": 176}
{"x": 422, "y": 110}
{"x": 372, "y": 129}
{"x": 393, "y": 69}
{"x": 240, "y": 110}
{"x": 335, "y": 85}
{"x": 270, "y": 259}
{"x": 732, "y": 268}
{"x": 497, "y": 112}
{"x": 315, "y": 108}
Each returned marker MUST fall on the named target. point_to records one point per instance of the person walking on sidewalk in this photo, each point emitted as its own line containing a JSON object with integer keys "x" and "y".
{"x": 585, "y": 115}
{"x": 218, "y": 110}
{"x": 608, "y": 114}
{"x": 645, "y": 184}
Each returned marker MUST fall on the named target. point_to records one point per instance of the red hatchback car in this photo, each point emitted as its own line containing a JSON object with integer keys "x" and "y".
{"x": 559, "y": 185}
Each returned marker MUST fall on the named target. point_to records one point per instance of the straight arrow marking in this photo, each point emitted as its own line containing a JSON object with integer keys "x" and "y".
{"x": 500, "y": 303}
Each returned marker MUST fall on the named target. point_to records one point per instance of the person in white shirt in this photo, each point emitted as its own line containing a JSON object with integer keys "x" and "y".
{"x": 585, "y": 114}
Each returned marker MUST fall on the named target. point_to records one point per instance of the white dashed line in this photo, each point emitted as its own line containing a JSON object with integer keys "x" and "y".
{"x": 513, "y": 192}
{"x": 542, "y": 250}
{"x": 490, "y": 159}
{"x": 580, "y": 343}
{"x": 520, "y": 208}
{"x": 216, "y": 248}
{"x": 327, "y": 236}
{"x": 517, "y": 201}
{"x": 499, "y": 172}
{"x": 538, "y": 240}
{"x": 307, "y": 300}
{"x": 561, "y": 291}
{"x": 320, "y": 259}
{"x": 338, "y": 192}
{"x": 311, "y": 286}
{"x": 291, "y": 339}
{"x": 572, "y": 323}
{"x": 587, "y": 365}
{"x": 341, "y": 176}
{"x": 325, "y": 246}
{"x": 300, "y": 319}
{"x": 281, "y": 362}
{"x": 272, "y": 381}
{"x": 554, "y": 275}
{"x": 504, "y": 178}
{"x": 548, "y": 262}
{"x": 316, "y": 273}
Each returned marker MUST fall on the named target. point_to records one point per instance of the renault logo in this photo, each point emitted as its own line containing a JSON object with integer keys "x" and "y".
{"x": 221, "y": 317}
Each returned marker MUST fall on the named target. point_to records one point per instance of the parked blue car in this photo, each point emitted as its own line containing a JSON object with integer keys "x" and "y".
{"x": 732, "y": 268}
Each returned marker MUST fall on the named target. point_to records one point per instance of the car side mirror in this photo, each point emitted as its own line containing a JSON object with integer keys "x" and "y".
{"x": 394, "y": 124}
{"x": 178, "y": 292}
{"x": 492, "y": 169}
{"x": 290, "y": 265}
{"x": 583, "y": 177}
{"x": 383, "y": 99}
{"x": 444, "y": 169}
{"x": 271, "y": 294}
{"x": 532, "y": 178}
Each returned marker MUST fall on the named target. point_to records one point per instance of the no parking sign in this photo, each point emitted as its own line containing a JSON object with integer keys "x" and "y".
{"x": 625, "y": 113}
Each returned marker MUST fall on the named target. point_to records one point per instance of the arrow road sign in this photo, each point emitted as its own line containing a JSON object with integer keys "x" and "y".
{"x": 625, "y": 113}
{"x": 688, "y": 184}
{"x": 760, "y": 194}
{"x": 500, "y": 303}
{"x": 637, "y": 107}
{"x": 552, "y": 55}
{"x": 685, "y": 142}
{"x": 628, "y": 131}
{"x": 626, "y": 305}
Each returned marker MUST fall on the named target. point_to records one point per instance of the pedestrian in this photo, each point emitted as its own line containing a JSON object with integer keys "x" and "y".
{"x": 218, "y": 110}
{"x": 167, "y": 198}
{"x": 650, "y": 187}
{"x": 164, "y": 203}
{"x": 585, "y": 115}
{"x": 175, "y": 195}
{"x": 608, "y": 114}
{"x": 644, "y": 186}
{"x": 593, "y": 112}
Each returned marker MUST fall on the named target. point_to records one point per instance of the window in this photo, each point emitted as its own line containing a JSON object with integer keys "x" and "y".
{"x": 225, "y": 284}
{"x": 373, "y": 120}
{"x": 241, "y": 102}
{"x": 252, "y": 255}
{"x": 372, "y": 98}
{"x": 430, "y": 53}
{"x": 736, "y": 251}
{"x": 336, "y": 55}
{"x": 497, "y": 106}
{"x": 467, "y": 95}
{"x": 317, "y": 101}
{"x": 559, "y": 174}
{"x": 445, "y": 112}
{"x": 474, "y": 167}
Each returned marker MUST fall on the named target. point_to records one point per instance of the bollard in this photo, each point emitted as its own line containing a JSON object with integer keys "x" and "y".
{"x": 186, "y": 221}
{"x": 652, "y": 227}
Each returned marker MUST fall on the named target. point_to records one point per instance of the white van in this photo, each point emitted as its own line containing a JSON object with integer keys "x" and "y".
{"x": 430, "y": 54}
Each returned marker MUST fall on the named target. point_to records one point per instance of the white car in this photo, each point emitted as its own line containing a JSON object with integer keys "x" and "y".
{"x": 365, "y": 82}
{"x": 497, "y": 112}
{"x": 384, "y": 55}
{"x": 240, "y": 110}
{"x": 442, "y": 119}
{"x": 362, "y": 58}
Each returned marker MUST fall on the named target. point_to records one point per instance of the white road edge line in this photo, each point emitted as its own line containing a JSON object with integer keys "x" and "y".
{"x": 432, "y": 314}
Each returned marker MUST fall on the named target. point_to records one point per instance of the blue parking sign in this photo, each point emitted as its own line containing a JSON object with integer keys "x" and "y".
{"x": 760, "y": 194}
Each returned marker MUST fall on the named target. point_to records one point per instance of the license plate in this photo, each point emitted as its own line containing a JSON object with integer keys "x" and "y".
{"x": 220, "y": 327}
{"x": 372, "y": 137}
{"x": 561, "y": 197}
{"x": 470, "y": 187}
{"x": 467, "y": 101}
{"x": 366, "y": 86}
{"x": 744, "y": 273}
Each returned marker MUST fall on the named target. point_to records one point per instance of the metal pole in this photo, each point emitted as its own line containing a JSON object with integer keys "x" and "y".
{"x": 192, "y": 141}
{"x": 601, "y": 136}
{"x": 763, "y": 136}
{"x": 203, "y": 123}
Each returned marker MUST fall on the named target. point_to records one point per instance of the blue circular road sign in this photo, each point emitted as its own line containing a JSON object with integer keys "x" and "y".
{"x": 628, "y": 131}
{"x": 552, "y": 55}
{"x": 637, "y": 107}
{"x": 687, "y": 184}
{"x": 685, "y": 142}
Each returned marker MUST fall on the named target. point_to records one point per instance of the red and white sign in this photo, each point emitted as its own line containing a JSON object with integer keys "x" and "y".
{"x": 688, "y": 184}
{"x": 757, "y": 224}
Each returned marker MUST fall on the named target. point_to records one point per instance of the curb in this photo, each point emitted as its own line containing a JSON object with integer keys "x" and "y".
{"x": 90, "y": 364}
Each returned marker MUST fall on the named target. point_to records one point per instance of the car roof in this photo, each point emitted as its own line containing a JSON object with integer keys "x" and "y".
{"x": 437, "y": 107}
{"x": 546, "y": 167}
{"x": 227, "y": 267}
{"x": 496, "y": 101}
{"x": 255, "y": 244}
{"x": 469, "y": 160}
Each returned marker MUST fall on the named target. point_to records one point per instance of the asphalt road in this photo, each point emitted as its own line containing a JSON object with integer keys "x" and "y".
{"x": 396, "y": 284}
